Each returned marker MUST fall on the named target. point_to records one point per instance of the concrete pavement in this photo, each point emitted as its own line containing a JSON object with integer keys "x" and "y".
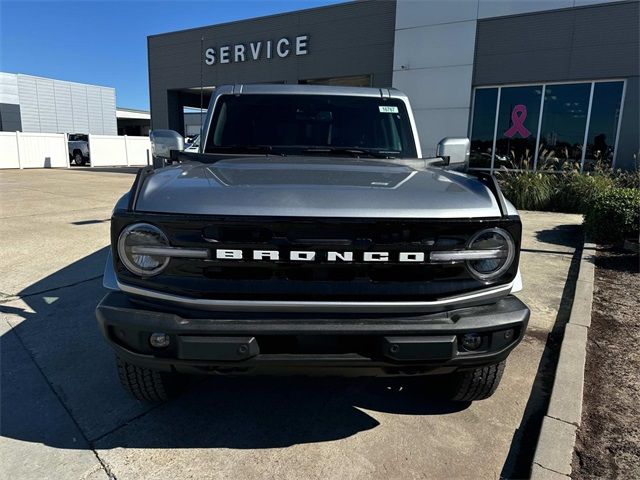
{"x": 64, "y": 415}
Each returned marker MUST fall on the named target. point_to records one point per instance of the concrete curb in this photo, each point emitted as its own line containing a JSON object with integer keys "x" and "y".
{"x": 554, "y": 452}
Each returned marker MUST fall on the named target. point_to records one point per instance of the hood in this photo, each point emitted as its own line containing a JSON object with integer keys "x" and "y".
{"x": 314, "y": 187}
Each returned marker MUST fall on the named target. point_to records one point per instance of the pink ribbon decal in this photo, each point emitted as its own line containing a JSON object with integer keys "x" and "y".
{"x": 518, "y": 116}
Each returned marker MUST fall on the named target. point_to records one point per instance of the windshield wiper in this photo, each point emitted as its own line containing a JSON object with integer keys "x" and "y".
{"x": 354, "y": 151}
{"x": 244, "y": 148}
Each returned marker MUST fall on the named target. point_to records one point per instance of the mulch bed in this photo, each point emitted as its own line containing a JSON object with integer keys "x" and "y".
{"x": 608, "y": 443}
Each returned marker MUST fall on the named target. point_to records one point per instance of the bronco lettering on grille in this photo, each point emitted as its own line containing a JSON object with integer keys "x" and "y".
{"x": 327, "y": 256}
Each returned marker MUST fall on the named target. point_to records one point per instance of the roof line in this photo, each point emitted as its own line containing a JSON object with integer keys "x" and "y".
{"x": 273, "y": 15}
{"x": 132, "y": 110}
{"x": 57, "y": 79}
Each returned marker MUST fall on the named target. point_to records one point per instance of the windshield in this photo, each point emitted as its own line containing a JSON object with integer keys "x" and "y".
{"x": 311, "y": 125}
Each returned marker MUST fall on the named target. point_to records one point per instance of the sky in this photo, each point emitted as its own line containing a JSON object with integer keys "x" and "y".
{"x": 105, "y": 43}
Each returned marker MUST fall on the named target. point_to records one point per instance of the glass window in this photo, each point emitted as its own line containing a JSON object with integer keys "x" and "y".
{"x": 564, "y": 119}
{"x": 482, "y": 128}
{"x": 517, "y": 127}
{"x": 563, "y": 125}
{"x": 311, "y": 124}
{"x": 603, "y": 125}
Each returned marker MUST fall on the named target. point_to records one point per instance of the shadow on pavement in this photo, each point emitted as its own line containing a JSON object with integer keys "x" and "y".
{"x": 564, "y": 235}
{"x": 58, "y": 329}
{"x": 520, "y": 456}
{"x": 130, "y": 170}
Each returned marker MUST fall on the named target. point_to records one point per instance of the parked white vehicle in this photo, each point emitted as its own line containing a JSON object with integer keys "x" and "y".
{"x": 194, "y": 145}
{"x": 79, "y": 149}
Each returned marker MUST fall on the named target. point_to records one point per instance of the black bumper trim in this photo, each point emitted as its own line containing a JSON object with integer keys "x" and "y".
{"x": 231, "y": 342}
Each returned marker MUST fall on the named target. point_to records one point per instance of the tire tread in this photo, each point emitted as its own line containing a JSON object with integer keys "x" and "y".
{"x": 143, "y": 383}
{"x": 478, "y": 384}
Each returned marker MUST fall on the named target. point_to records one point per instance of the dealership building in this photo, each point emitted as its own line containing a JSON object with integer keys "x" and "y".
{"x": 33, "y": 104}
{"x": 534, "y": 84}
{"x": 45, "y": 105}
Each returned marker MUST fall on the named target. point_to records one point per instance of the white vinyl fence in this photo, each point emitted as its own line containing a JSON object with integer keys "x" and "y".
{"x": 33, "y": 150}
{"x": 115, "y": 150}
{"x": 50, "y": 150}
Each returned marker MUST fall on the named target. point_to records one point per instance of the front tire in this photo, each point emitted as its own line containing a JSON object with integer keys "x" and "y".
{"x": 148, "y": 385}
{"x": 476, "y": 384}
{"x": 78, "y": 159}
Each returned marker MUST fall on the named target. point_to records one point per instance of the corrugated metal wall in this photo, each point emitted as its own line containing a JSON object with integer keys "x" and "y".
{"x": 64, "y": 114}
{"x": 55, "y": 106}
{"x": 28, "y": 94}
{"x": 587, "y": 43}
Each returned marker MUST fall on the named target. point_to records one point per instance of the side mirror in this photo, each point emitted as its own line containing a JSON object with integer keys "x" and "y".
{"x": 163, "y": 141}
{"x": 455, "y": 152}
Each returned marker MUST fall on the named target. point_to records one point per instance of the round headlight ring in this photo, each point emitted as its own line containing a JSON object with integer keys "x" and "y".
{"x": 128, "y": 259}
{"x": 511, "y": 253}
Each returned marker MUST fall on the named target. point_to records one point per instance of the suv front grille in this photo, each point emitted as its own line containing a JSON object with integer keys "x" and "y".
{"x": 318, "y": 279}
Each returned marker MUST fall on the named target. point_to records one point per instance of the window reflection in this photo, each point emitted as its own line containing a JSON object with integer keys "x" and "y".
{"x": 482, "y": 129}
{"x": 565, "y": 115}
{"x": 564, "y": 118}
{"x": 603, "y": 126}
{"x": 517, "y": 127}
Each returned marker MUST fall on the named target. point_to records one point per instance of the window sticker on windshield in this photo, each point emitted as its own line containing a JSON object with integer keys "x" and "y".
{"x": 387, "y": 109}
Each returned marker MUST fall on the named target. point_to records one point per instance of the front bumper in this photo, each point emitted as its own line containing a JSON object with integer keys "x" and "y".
{"x": 237, "y": 342}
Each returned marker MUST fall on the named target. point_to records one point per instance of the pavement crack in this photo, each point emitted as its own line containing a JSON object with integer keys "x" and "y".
{"x": 6, "y": 297}
{"x": 100, "y": 207}
{"x": 53, "y": 289}
{"x": 563, "y": 421}
{"x": 128, "y": 422}
{"x": 551, "y": 470}
{"x": 104, "y": 466}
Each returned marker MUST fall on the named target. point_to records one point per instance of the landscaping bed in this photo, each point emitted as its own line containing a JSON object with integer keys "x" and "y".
{"x": 608, "y": 441}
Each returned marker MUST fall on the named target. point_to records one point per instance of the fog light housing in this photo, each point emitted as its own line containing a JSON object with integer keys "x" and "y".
{"x": 471, "y": 341}
{"x": 159, "y": 340}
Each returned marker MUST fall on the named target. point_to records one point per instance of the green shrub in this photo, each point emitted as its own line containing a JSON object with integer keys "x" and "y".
{"x": 574, "y": 191}
{"x": 527, "y": 190}
{"x": 613, "y": 215}
{"x": 626, "y": 179}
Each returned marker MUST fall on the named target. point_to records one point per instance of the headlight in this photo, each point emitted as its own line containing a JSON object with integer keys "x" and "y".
{"x": 131, "y": 246}
{"x": 500, "y": 252}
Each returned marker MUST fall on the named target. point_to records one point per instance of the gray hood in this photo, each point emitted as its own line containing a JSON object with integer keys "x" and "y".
{"x": 314, "y": 187}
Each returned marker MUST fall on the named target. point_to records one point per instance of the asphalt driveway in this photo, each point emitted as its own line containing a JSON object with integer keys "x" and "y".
{"x": 64, "y": 415}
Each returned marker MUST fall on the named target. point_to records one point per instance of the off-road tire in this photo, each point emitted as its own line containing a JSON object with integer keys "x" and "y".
{"x": 476, "y": 384}
{"x": 148, "y": 385}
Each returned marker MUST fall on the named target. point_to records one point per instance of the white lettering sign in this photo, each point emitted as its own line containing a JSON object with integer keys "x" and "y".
{"x": 411, "y": 256}
{"x": 266, "y": 254}
{"x": 228, "y": 254}
{"x": 257, "y": 50}
{"x": 376, "y": 256}
{"x": 311, "y": 256}
{"x": 210, "y": 56}
{"x": 302, "y": 256}
{"x": 301, "y": 44}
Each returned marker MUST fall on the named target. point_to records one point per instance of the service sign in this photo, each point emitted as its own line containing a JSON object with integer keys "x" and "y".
{"x": 258, "y": 50}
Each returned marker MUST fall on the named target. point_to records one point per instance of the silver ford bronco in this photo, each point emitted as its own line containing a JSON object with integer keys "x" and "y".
{"x": 309, "y": 235}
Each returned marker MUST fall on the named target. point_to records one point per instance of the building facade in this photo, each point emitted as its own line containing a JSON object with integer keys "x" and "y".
{"x": 44, "y": 105}
{"x": 133, "y": 122}
{"x": 533, "y": 84}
